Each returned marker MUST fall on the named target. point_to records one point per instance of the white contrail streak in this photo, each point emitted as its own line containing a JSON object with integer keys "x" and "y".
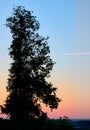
{"x": 77, "y": 53}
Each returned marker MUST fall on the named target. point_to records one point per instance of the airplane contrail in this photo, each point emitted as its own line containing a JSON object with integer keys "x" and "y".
{"x": 77, "y": 53}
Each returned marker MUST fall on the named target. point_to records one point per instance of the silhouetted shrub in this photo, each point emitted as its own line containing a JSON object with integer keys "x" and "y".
{"x": 58, "y": 124}
{"x": 65, "y": 124}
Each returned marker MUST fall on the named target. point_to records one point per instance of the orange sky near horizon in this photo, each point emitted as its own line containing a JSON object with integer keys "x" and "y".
{"x": 66, "y": 92}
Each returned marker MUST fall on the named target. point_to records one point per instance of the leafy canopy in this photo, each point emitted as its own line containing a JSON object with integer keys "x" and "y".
{"x": 27, "y": 85}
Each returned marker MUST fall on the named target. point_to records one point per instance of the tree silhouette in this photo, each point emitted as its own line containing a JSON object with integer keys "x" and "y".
{"x": 31, "y": 65}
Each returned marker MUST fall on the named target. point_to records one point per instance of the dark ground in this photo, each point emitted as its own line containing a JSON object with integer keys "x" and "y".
{"x": 79, "y": 124}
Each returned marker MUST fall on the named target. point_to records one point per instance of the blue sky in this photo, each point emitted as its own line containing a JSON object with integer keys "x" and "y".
{"x": 67, "y": 23}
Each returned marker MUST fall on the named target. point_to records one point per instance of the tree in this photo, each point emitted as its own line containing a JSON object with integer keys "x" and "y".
{"x": 27, "y": 85}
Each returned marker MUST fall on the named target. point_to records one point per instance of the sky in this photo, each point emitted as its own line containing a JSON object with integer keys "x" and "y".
{"x": 67, "y": 23}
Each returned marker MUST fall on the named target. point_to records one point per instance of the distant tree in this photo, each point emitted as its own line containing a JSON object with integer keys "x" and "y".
{"x": 31, "y": 65}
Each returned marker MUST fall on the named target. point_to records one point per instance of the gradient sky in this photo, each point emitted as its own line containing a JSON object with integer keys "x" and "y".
{"x": 67, "y": 23}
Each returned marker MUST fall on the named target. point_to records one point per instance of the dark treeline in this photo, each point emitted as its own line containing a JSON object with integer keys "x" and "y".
{"x": 41, "y": 123}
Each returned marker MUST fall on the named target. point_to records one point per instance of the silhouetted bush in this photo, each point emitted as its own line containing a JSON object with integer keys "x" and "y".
{"x": 65, "y": 124}
{"x": 58, "y": 124}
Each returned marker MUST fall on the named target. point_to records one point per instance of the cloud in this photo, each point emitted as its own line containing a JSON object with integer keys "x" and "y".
{"x": 77, "y": 53}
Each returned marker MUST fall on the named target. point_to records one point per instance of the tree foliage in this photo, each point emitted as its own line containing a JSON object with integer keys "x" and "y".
{"x": 27, "y": 85}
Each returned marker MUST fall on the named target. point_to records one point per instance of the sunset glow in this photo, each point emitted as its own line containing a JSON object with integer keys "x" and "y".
{"x": 67, "y": 23}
